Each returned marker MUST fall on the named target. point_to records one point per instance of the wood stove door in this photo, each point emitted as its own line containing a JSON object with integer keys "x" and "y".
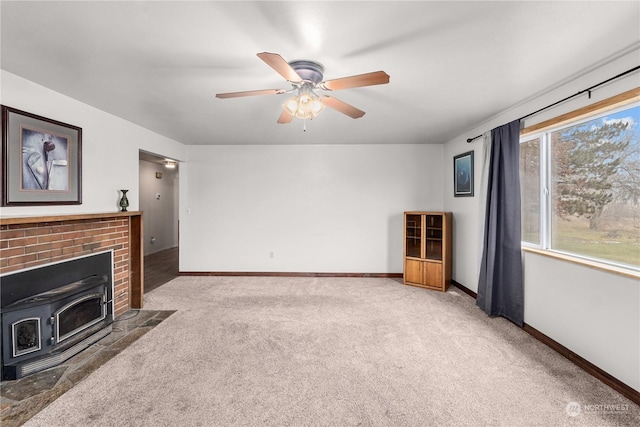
{"x": 80, "y": 314}
{"x": 25, "y": 333}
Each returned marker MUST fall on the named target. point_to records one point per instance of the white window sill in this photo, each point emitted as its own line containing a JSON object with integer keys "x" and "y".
{"x": 588, "y": 263}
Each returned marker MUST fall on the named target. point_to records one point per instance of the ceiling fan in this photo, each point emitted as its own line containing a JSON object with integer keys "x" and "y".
{"x": 306, "y": 79}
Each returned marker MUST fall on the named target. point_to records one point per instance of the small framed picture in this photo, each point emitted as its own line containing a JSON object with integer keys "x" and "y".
{"x": 463, "y": 175}
{"x": 42, "y": 160}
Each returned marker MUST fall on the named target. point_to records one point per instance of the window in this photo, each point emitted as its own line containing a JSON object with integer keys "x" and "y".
{"x": 580, "y": 186}
{"x": 530, "y": 190}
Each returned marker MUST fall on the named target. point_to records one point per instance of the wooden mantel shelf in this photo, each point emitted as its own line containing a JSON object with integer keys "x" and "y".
{"x": 134, "y": 244}
{"x": 10, "y": 220}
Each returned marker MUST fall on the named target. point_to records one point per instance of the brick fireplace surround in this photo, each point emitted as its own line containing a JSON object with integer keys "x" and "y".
{"x": 27, "y": 242}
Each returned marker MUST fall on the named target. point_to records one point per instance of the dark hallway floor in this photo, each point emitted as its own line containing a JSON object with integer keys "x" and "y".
{"x": 160, "y": 268}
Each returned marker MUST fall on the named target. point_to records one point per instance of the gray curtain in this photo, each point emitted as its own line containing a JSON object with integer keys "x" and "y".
{"x": 500, "y": 288}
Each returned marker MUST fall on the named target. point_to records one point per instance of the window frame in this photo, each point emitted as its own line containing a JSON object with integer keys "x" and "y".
{"x": 542, "y": 131}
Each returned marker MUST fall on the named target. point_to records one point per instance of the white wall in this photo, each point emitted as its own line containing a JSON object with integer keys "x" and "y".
{"x": 318, "y": 208}
{"x": 160, "y": 214}
{"x": 110, "y": 147}
{"x": 593, "y": 313}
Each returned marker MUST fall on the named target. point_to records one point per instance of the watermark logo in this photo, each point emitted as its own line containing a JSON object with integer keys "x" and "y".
{"x": 573, "y": 409}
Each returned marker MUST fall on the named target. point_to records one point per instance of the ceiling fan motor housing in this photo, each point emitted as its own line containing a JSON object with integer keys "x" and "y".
{"x": 308, "y": 70}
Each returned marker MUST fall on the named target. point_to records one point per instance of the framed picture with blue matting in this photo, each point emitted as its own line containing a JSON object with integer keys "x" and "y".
{"x": 463, "y": 175}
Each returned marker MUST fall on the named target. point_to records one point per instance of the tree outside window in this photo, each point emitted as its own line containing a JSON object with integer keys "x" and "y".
{"x": 594, "y": 187}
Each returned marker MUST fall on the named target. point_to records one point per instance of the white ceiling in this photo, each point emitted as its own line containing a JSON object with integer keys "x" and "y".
{"x": 453, "y": 65}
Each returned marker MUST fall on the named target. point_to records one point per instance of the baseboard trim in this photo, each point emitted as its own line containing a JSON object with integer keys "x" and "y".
{"x": 585, "y": 365}
{"x": 464, "y": 289}
{"x": 574, "y": 358}
{"x": 289, "y": 274}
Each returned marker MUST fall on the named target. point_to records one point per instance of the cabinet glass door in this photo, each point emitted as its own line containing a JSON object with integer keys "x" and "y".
{"x": 434, "y": 237}
{"x": 413, "y": 233}
{"x": 434, "y": 249}
{"x": 434, "y": 221}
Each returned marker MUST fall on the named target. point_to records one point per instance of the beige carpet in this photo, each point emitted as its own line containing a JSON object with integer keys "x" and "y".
{"x": 253, "y": 351}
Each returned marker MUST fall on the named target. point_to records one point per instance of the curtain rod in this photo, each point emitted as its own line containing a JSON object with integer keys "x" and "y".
{"x": 589, "y": 89}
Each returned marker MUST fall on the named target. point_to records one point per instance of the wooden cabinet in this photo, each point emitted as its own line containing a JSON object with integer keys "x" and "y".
{"x": 427, "y": 249}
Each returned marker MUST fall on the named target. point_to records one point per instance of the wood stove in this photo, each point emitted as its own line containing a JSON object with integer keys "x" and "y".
{"x": 53, "y": 312}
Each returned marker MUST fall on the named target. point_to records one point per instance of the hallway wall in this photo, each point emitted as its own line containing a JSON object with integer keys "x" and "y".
{"x": 160, "y": 214}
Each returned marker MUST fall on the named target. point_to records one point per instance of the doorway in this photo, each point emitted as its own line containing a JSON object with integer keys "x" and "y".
{"x": 159, "y": 188}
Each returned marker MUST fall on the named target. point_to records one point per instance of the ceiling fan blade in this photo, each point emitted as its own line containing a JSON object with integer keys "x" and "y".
{"x": 281, "y": 66}
{"x": 249, "y": 93}
{"x": 368, "y": 79}
{"x": 342, "y": 106}
{"x": 285, "y": 117}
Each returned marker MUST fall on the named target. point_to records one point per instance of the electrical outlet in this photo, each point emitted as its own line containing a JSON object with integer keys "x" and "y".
{"x": 153, "y": 240}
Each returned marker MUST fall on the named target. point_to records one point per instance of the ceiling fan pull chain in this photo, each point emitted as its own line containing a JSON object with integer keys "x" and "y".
{"x": 304, "y": 125}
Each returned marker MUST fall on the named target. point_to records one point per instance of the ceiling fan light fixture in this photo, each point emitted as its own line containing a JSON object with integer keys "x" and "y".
{"x": 305, "y": 105}
{"x": 316, "y": 107}
{"x": 291, "y": 106}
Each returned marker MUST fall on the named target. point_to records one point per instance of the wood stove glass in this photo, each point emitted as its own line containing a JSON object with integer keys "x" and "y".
{"x": 80, "y": 314}
{"x": 26, "y": 336}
